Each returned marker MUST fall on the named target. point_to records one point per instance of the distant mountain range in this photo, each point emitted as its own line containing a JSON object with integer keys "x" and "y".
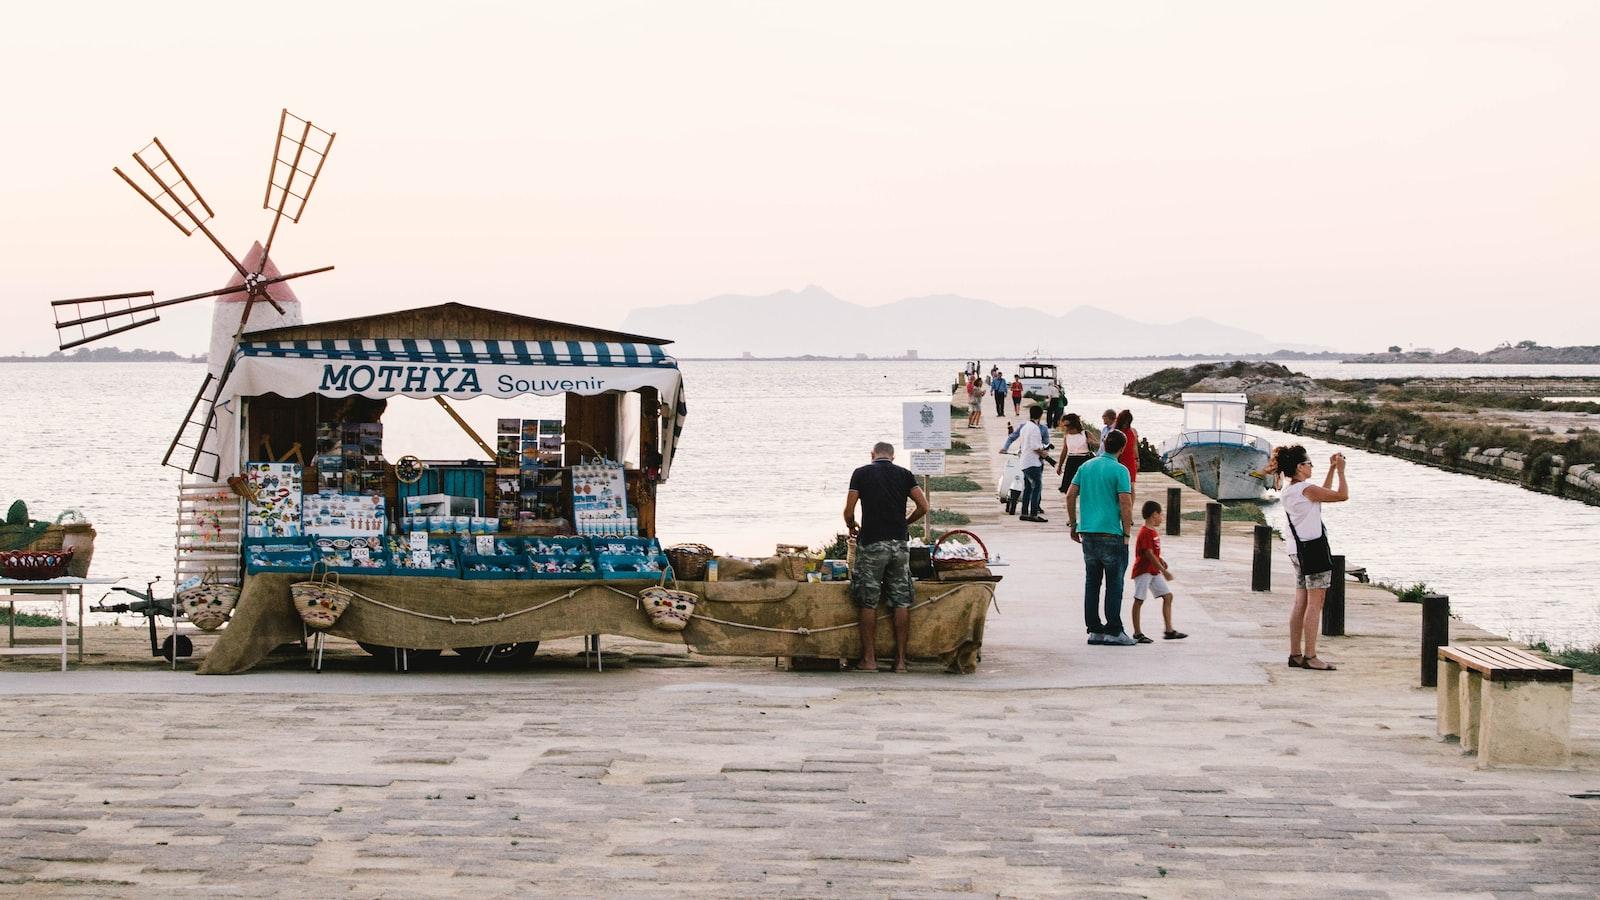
{"x": 106, "y": 354}
{"x": 1524, "y": 353}
{"x": 812, "y": 321}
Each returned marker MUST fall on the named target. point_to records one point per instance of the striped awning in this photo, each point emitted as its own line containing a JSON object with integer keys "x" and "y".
{"x": 437, "y": 350}
{"x": 460, "y": 370}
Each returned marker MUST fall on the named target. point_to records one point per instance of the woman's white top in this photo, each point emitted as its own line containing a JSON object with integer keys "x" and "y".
{"x": 1078, "y": 445}
{"x": 1305, "y": 513}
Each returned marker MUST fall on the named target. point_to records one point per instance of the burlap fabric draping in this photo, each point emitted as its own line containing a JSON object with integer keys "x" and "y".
{"x": 753, "y": 618}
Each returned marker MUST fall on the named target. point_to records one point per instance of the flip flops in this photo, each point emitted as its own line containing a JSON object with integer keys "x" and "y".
{"x": 1296, "y": 661}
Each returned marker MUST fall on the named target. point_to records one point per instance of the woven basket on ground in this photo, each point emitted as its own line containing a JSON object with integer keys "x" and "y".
{"x": 948, "y": 541}
{"x": 209, "y": 604}
{"x": 320, "y": 603}
{"x": 689, "y": 561}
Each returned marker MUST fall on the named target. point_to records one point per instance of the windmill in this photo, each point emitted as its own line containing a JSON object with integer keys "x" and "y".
{"x": 298, "y": 155}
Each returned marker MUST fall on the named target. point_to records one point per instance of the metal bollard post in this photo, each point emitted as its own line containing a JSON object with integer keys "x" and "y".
{"x": 1261, "y": 564}
{"x": 1435, "y": 634}
{"x": 1333, "y": 602}
{"x": 1213, "y": 542}
{"x": 1174, "y": 510}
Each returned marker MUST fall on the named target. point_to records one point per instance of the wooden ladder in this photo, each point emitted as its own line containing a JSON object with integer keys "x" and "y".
{"x": 210, "y": 524}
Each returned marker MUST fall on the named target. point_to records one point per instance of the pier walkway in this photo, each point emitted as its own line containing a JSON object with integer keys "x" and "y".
{"x": 1197, "y": 768}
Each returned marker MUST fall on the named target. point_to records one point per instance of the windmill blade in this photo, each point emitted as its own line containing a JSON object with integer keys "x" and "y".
{"x": 94, "y": 310}
{"x": 117, "y": 311}
{"x": 297, "y": 157}
{"x": 175, "y": 196}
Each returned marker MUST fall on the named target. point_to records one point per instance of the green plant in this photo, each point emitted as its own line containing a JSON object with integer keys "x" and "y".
{"x": 28, "y": 620}
{"x": 1584, "y": 660}
{"x": 838, "y": 548}
{"x": 948, "y": 517}
{"x": 958, "y": 447}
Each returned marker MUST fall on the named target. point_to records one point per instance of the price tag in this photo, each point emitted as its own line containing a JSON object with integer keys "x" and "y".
{"x": 485, "y": 544}
{"x": 419, "y": 541}
{"x": 421, "y": 559}
{"x": 361, "y": 554}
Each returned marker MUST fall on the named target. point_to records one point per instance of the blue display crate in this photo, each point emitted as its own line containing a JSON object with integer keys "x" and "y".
{"x": 294, "y": 555}
{"x": 630, "y": 566}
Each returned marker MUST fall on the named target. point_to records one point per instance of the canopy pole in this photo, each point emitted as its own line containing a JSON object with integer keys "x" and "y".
{"x": 488, "y": 450}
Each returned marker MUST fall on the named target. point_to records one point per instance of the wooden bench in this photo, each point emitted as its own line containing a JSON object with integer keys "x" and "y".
{"x": 1509, "y": 706}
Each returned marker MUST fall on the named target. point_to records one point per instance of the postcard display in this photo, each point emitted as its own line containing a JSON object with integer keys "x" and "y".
{"x": 600, "y": 501}
{"x": 529, "y": 470}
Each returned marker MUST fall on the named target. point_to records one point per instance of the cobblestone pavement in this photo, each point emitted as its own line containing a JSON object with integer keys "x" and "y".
{"x": 699, "y": 789}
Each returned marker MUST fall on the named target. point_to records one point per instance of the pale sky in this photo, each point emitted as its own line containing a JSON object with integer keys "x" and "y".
{"x": 1345, "y": 173}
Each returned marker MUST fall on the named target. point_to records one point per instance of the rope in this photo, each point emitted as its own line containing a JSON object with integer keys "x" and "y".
{"x": 457, "y": 620}
{"x": 809, "y": 631}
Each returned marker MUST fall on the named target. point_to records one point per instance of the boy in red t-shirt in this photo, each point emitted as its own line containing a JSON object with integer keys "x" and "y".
{"x": 1150, "y": 573}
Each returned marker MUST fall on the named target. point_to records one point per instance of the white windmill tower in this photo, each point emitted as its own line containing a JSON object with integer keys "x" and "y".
{"x": 256, "y": 296}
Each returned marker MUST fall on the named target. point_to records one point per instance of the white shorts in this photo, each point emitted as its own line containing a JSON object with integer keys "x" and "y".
{"x": 1150, "y": 586}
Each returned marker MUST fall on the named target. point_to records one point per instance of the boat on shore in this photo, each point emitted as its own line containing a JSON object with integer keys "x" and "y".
{"x": 1215, "y": 452}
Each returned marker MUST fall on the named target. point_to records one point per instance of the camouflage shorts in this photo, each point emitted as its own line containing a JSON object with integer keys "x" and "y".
{"x": 882, "y": 572}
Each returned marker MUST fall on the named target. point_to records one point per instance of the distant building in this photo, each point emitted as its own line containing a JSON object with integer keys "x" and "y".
{"x": 747, "y": 355}
{"x": 911, "y": 354}
{"x": 861, "y": 356}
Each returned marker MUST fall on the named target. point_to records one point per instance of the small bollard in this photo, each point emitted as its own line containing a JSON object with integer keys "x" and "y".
{"x": 1333, "y": 602}
{"x": 1174, "y": 510}
{"x": 1435, "y": 634}
{"x": 1213, "y": 543}
{"x": 1261, "y": 564}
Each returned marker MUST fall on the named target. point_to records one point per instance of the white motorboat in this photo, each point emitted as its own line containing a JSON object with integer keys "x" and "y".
{"x": 1039, "y": 379}
{"x": 1215, "y": 452}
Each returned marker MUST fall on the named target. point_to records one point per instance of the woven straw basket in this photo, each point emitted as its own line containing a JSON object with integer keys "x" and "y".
{"x": 688, "y": 561}
{"x": 209, "y": 604}
{"x": 320, "y": 603}
{"x": 668, "y": 608}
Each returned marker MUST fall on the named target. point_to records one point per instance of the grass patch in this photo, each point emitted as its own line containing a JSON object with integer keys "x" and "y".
{"x": 1237, "y": 511}
{"x": 1573, "y": 657}
{"x": 28, "y": 620}
{"x": 958, "y": 447}
{"x": 953, "y": 483}
{"x": 948, "y": 517}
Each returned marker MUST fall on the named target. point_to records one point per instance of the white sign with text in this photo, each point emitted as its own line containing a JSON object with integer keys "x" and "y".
{"x": 928, "y": 462}
{"x": 926, "y": 424}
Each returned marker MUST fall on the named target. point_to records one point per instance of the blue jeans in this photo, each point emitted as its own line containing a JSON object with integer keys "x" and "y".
{"x": 1104, "y": 556}
{"x": 1032, "y": 490}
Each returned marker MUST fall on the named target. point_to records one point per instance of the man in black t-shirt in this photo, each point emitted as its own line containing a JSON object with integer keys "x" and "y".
{"x": 882, "y": 571}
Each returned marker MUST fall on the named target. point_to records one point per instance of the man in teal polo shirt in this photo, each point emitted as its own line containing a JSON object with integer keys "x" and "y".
{"x": 1105, "y": 493}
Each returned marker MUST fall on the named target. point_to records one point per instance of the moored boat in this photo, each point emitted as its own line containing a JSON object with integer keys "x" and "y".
{"x": 1220, "y": 458}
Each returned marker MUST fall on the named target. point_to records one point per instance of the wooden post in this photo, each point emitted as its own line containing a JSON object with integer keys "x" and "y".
{"x": 1261, "y": 563}
{"x": 1174, "y": 510}
{"x": 1435, "y": 634}
{"x": 927, "y": 520}
{"x": 1213, "y": 542}
{"x": 1333, "y": 602}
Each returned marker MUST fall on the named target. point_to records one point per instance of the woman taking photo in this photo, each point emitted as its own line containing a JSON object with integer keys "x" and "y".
{"x": 1308, "y": 541}
{"x": 1075, "y": 443}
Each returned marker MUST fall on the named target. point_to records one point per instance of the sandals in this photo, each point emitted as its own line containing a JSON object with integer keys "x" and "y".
{"x": 1140, "y": 637}
{"x": 1173, "y": 636}
{"x": 1296, "y": 661}
{"x": 1306, "y": 663}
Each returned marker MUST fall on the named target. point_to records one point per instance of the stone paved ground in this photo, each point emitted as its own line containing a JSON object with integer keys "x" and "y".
{"x": 1198, "y": 768}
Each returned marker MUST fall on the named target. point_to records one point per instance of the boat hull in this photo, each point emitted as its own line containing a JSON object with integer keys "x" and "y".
{"x": 1221, "y": 471}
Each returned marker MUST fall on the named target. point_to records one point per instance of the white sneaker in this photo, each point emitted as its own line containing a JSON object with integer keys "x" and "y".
{"x": 1120, "y": 640}
{"x": 1096, "y": 637}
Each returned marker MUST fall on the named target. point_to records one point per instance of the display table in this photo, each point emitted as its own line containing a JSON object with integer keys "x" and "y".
{"x": 733, "y": 618}
{"x": 59, "y": 590}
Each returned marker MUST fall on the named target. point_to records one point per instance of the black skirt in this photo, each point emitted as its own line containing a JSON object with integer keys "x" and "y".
{"x": 1070, "y": 468}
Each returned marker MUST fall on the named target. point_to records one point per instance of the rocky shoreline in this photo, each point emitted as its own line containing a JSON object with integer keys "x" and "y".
{"x": 1291, "y": 402}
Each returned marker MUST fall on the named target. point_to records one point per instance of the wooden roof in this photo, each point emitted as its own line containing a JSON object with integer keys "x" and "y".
{"x": 448, "y": 321}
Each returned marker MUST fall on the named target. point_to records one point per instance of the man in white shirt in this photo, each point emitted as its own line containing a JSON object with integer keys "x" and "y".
{"x": 1032, "y": 446}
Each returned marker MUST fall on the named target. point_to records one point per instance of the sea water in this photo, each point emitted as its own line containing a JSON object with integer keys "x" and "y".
{"x": 766, "y": 456}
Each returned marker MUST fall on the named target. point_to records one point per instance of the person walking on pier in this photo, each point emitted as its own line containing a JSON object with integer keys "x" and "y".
{"x": 882, "y": 570}
{"x": 1033, "y": 443}
{"x": 1311, "y": 556}
{"x": 1106, "y": 496}
{"x": 975, "y": 391}
{"x": 997, "y": 383}
{"x": 1016, "y": 395}
{"x": 1130, "y": 450}
{"x": 1075, "y": 449}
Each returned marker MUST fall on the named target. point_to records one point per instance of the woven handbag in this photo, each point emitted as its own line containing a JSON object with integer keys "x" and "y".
{"x": 668, "y": 608}
{"x": 209, "y": 603}
{"x": 689, "y": 560}
{"x": 321, "y": 602}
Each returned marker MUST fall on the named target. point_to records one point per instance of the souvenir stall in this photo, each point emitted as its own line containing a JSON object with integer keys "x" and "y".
{"x": 551, "y": 534}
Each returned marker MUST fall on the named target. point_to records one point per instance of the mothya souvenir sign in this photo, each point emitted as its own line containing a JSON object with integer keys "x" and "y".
{"x": 926, "y": 424}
